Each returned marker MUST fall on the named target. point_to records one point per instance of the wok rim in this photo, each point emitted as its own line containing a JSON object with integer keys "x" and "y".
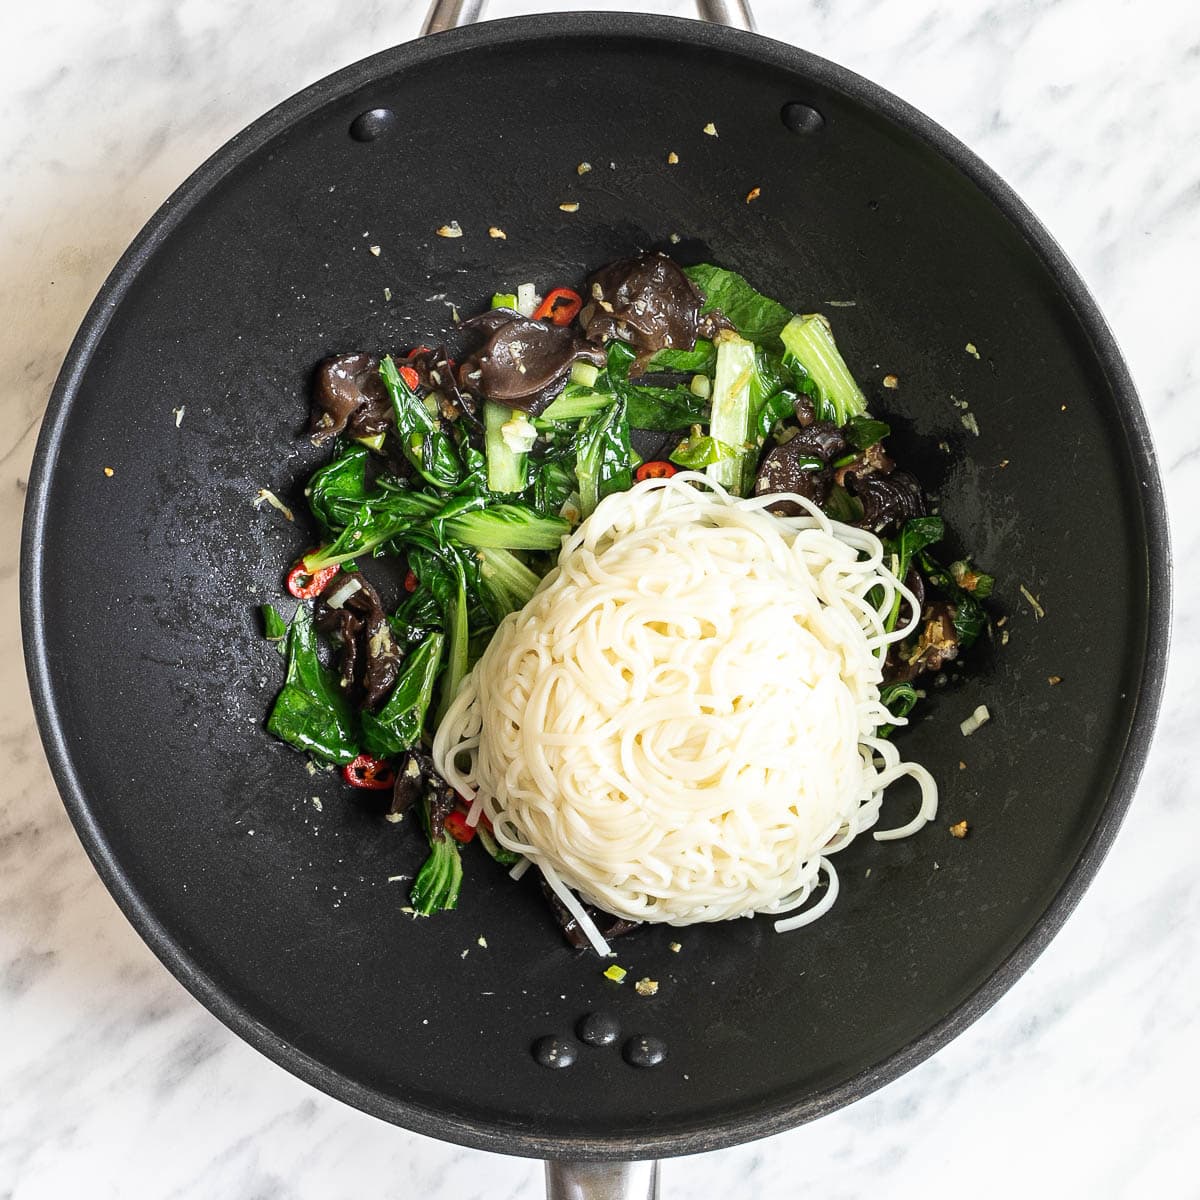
{"x": 495, "y": 1136}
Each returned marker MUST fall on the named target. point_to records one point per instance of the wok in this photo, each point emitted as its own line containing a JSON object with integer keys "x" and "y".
{"x": 188, "y": 381}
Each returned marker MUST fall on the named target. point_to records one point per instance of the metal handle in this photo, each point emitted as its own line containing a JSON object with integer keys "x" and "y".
{"x": 450, "y": 14}
{"x": 602, "y": 1181}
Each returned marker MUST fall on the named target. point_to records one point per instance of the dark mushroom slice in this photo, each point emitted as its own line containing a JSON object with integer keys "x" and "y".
{"x": 821, "y": 439}
{"x": 524, "y": 363}
{"x": 443, "y": 800}
{"x": 793, "y": 468}
{"x": 646, "y": 301}
{"x": 412, "y": 777}
{"x": 348, "y": 392}
{"x": 886, "y": 500}
{"x": 380, "y": 653}
{"x": 609, "y": 926}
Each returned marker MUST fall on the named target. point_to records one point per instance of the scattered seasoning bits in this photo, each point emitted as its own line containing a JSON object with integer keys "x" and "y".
{"x": 1004, "y": 638}
{"x": 1038, "y": 611}
{"x": 891, "y": 381}
{"x": 944, "y": 447}
{"x": 674, "y": 239}
{"x": 1001, "y": 622}
{"x": 179, "y": 415}
{"x": 1002, "y": 463}
{"x": 753, "y": 194}
{"x": 570, "y": 206}
{"x": 1062, "y": 408}
{"x": 711, "y": 130}
{"x": 672, "y": 158}
{"x": 971, "y": 350}
{"x": 453, "y": 230}
{"x": 375, "y": 250}
{"x": 962, "y": 766}
{"x": 387, "y": 293}
{"x": 583, "y": 168}
{"x": 316, "y": 803}
{"x": 969, "y": 423}
{"x": 674, "y": 947}
{"x": 615, "y": 973}
{"x": 396, "y": 878}
{"x": 108, "y": 471}
{"x": 646, "y": 987}
{"x": 959, "y": 830}
{"x": 494, "y": 231}
{"x": 481, "y": 941}
{"x": 1054, "y": 680}
{"x": 979, "y": 717}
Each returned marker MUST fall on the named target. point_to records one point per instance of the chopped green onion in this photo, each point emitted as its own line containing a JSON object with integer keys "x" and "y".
{"x": 585, "y": 374}
{"x": 504, "y": 300}
{"x": 730, "y": 422}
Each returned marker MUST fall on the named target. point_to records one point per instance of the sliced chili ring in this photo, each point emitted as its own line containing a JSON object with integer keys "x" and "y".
{"x": 308, "y": 585}
{"x": 561, "y": 307}
{"x": 458, "y": 829}
{"x": 411, "y": 582}
{"x": 655, "y": 469}
{"x": 410, "y": 377}
{"x": 375, "y": 774}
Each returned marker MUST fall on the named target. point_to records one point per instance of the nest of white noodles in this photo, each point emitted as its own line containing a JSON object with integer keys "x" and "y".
{"x": 680, "y": 725}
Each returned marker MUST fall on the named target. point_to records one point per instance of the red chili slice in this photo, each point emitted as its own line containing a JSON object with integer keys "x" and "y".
{"x": 376, "y": 774}
{"x": 308, "y": 585}
{"x": 457, "y": 827}
{"x": 410, "y": 377}
{"x": 419, "y": 350}
{"x": 411, "y": 582}
{"x": 561, "y": 306}
{"x": 657, "y": 469}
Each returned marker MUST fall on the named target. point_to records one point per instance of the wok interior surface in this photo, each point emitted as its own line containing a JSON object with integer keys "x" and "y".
{"x": 153, "y": 680}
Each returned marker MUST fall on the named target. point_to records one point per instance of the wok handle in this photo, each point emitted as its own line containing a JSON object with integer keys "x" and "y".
{"x": 602, "y": 1181}
{"x": 450, "y": 14}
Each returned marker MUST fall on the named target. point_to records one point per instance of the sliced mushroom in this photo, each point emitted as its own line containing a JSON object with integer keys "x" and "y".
{"x": 646, "y": 301}
{"x": 348, "y": 394}
{"x": 609, "y": 926}
{"x": 436, "y": 372}
{"x": 524, "y": 363}
{"x": 887, "y": 500}
{"x": 793, "y": 468}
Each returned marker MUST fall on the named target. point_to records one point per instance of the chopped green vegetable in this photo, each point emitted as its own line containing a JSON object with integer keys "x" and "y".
{"x": 863, "y": 432}
{"x": 774, "y": 409}
{"x": 425, "y": 444}
{"x": 397, "y": 726}
{"x": 274, "y": 626}
{"x": 702, "y": 358}
{"x": 698, "y": 451}
{"x": 574, "y": 403}
{"x": 381, "y": 518}
{"x": 615, "y": 973}
{"x": 602, "y": 464}
{"x": 664, "y": 409}
{"x": 310, "y": 711}
{"x": 505, "y": 466}
{"x": 503, "y": 856}
{"x": 899, "y": 699}
{"x": 437, "y": 884}
{"x": 730, "y": 421}
{"x": 584, "y": 373}
{"x": 506, "y": 582}
{"x": 337, "y": 491}
{"x": 504, "y": 300}
{"x": 756, "y": 317}
{"x": 809, "y": 339}
{"x": 914, "y": 537}
{"x": 508, "y": 527}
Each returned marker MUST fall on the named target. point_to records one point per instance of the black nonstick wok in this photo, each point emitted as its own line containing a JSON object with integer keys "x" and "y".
{"x": 189, "y": 382}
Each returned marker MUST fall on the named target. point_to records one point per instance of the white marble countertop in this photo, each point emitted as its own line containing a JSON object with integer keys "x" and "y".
{"x": 1081, "y": 1082}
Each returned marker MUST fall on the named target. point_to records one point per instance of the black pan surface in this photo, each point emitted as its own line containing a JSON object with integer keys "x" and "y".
{"x": 140, "y": 589}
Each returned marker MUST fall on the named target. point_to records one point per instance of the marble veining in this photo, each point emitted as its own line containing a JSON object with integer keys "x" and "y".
{"x": 115, "y": 1083}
